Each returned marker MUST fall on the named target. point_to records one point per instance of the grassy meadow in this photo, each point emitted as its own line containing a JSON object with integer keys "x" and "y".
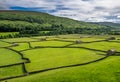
{"x": 22, "y": 46}
{"x": 11, "y": 71}
{"x": 49, "y": 43}
{"x": 8, "y": 57}
{"x": 3, "y": 44}
{"x": 60, "y": 59}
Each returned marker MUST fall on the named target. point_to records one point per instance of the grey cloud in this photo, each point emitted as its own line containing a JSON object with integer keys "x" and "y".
{"x": 83, "y": 10}
{"x": 87, "y": 0}
{"x": 99, "y": 8}
{"x": 3, "y": 6}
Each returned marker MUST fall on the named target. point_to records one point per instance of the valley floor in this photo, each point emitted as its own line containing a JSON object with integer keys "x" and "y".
{"x": 62, "y": 58}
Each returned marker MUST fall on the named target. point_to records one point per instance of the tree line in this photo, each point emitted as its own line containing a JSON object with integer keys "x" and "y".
{"x": 53, "y": 30}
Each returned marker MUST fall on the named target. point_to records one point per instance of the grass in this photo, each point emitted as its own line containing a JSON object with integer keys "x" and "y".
{"x": 55, "y": 57}
{"x": 82, "y": 39}
{"x": 3, "y": 44}
{"x": 101, "y": 45}
{"x": 103, "y": 71}
{"x": 8, "y": 33}
{"x": 25, "y": 39}
{"x": 44, "y": 31}
{"x": 72, "y": 36}
{"x": 91, "y": 39}
{"x": 107, "y": 70}
{"x": 49, "y": 43}
{"x": 9, "y": 57}
{"x": 22, "y": 46}
{"x": 11, "y": 71}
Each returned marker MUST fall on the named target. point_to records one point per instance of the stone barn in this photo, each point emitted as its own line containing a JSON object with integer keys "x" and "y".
{"x": 78, "y": 41}
{"x": 15, "y": 44}
{"x": 111, "y": 52}
{"x": 81, "y": 37}
{"x": 111, "y": 38}
{"x": 42, "y": 39}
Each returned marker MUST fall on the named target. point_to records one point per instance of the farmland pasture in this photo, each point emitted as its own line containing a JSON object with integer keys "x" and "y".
{"x": 3, "y": 44}
{"x": 50, "y": 57}
{"x": 61, "y": 51}
{"x": 21, "y": 46}
{"x": 9, "y": 57}
{"x": 82, "y": 39}
{"x": 107, "y": 70}
{"x": 11, "y": 71}
{"x": 103, "y": 45}
{"x": 91, "y": 39}
{"x": 25, "y": 39}
{"x": 8, "y": 33}
{"x": 49, "y": 43}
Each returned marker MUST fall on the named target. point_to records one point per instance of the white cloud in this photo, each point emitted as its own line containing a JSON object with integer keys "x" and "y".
{"x": 118, "y": 16}
{"x": 93, "y": 10}
{"x": 110, "y": 4}
{"x": 31, "y": 3}
{"x": 84, "y": 10}
{"x": 3, "y": 6}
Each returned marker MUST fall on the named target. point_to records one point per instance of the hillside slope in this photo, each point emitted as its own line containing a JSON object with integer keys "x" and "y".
{"x": 44, "y": 19}
{"x": 28, "y": 23}
{"x": 110, "y": 24}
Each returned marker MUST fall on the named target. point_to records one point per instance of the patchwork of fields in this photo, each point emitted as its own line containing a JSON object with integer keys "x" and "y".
{"x": 63, "y": 58}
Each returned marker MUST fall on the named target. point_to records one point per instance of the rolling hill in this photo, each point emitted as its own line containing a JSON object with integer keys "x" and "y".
{"x": 110, "y": 24}
{"x": 28, "y": 23}
{"x": 43, "y": 19}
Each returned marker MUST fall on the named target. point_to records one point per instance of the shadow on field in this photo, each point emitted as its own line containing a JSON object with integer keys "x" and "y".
{"x": 117, "y": 54}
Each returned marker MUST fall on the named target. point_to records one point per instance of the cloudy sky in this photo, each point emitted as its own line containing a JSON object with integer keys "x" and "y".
{"x": 83, "y": 10}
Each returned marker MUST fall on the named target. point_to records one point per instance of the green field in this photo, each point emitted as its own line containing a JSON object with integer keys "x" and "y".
{"x": 11, "y": 71}
{"x": 103, "y": 45}
{"x": 60, "y": 59}
{"x": 19, "y": 40}
{"x": 4, "y": 44}
{"x": 7, "y": 33}
{"x": 22, "y": 46}
{"x": 9, "y": 57}
{"x": 49, "y": 43}
{"x": 107, "y": 70}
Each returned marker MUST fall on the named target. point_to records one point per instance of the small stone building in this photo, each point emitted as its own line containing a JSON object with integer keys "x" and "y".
{"x": 15, "y": 44}
{"x": 78, "y": 41}
{"x": 42, "y": 39}
{"x": 111, "y": 38}
{"x": 118, "y": 39}
{"x": 57, "y": 36}
{"x": 111, "y": 52}
{"x": 81, "y": 37}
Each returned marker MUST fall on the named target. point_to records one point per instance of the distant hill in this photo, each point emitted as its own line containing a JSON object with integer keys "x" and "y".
{"x": 111, "y": 24}
{"x": 28, "y": 23}
{"x": 44, "y": 19}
